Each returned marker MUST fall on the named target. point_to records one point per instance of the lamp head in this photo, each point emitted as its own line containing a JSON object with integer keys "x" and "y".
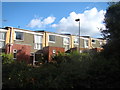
{"x": 77, "y": 20}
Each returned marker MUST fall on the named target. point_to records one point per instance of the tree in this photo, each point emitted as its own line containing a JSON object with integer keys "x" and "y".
{"x": 112, "y": 32}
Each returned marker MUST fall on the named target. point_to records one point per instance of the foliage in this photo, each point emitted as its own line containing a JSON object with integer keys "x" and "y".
{"x": 74, "y": 70}
{"x": 112, "y": 32}
{"x": 7, "y": 58}
{"x": 61, "y": 58}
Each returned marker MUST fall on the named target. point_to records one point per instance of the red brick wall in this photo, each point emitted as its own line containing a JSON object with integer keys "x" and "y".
{"x": 23, "y": 52}
{"x": 77, "y": 49}
{"x": 98, "y": 49}
{"x": 49, "y": 51}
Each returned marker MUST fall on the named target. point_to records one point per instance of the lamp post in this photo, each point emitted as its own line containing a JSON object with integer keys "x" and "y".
{"x": 78, "y": 20}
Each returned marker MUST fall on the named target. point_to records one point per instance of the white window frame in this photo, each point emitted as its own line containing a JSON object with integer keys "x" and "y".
{"x": 85, "y": 43}
{"x": 33, "y": 55}
{"x": 38, "y": 45}
{"x": 22, "y": 36}
{"x": 54, "y": 51}
{"x": 77, "y": 42}
{"x": 4, "y": 36}
{"x": 93, "y": 42}
{"x": 64, "y": 43}
{"x": 14, "y": 52}
{"x": 49, "y": 38}
{"x": 3, "y": 40}
{"x": 67, "y": 47}
{"x": 101, "y": 43}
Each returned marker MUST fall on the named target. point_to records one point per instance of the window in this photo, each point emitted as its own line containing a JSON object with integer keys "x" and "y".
{"x": 86, "y": 43}
{"x": 31, "y": 58}
{"x": 14, "y": 54}
{"x": 66, "y": 41}
{"x": 19, "y": 35}
{"x": 2, "y": 44}
{"x": 2, "y": 35}
{"x": 76, "y": 41}
{"x": 51, "y": 38}
{"x": 37, "y": 42}
{"x": 2, "y": 39}
{"x": 94, "y": 41}
{"x": 38, "y": 46}
{"x": 101, "y": 43}
{"x": 66, "y": 47}
{"x": 54, "y": 51}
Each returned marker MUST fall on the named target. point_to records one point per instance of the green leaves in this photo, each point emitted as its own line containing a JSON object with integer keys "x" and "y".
{"x": 112, "y": 32}
{"x": 7, "y": 58}
{"x": 73, "y": 70}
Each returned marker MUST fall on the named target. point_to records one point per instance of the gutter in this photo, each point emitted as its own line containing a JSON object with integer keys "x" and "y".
{"x": 10, "y": 39}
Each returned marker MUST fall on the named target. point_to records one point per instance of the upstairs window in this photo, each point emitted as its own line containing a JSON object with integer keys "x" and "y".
{"x": 94, "y": 41}
{"x": 37, "y": 42}
{"x": 86, "y": 43}
{"x": 52, "y": 38}
{"x": 2, "y": 39}
{"x": 76, "y": 41}
{"x": 19, "y": 35}
{"x": 66, "y": 41}
{"x": 2, "y": 35}
{"x": 101, "y": 43}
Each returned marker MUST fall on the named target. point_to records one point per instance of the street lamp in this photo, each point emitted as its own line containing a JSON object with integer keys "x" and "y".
{"x": 78, "y": 20}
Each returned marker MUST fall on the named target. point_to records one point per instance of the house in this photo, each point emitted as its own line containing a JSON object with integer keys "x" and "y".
{"x": 2, "y": 39}
{"x": 29, "y": 45}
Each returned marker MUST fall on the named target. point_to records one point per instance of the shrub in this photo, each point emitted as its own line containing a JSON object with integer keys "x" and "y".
{"x": 7, "y": 58}
{"x": 60, "y": 58}
{"x": 73, "y": 70}
{"x": 104, "y": 73}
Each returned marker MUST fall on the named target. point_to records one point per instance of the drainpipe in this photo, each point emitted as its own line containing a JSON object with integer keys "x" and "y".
{"x": 9, "y": 45}
{"x": 10, "y": 39}
{"x": 45, "y": 39}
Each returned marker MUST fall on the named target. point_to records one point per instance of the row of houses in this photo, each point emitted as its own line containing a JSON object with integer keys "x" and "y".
{"x": 28, "y": 45}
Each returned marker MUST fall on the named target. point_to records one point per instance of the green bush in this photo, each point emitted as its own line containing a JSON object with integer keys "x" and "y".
{"x": 104, "y": 73}
{"x": 7, "y": 58}
{"x": 60, "y": 58}
{"x": 73, "y": 70}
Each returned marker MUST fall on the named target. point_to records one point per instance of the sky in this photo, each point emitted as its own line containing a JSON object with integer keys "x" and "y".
{"x": 56, "y": 17}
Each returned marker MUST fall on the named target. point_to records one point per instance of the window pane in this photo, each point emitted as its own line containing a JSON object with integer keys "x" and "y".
{"x": 66, "y": 40}
{"x": 93, "y": 40}
{"x": 19, "y": 35}
{"x": 2, "y": 35}
{"x": 51, "y": 38}
{"x": 101, "y": 43}
{"x": 76, "y": 40}
{"x": 66, "y": 47}
{"x": 38, "y": 39}
{"x": 38, "y": 46}
{"x": 86, "y": 43}
{"x": 38, "y": 42}
{"x": 2, "y": 44}
{"x": 15, "y": 55}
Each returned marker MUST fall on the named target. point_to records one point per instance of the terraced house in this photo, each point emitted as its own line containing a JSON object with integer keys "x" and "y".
{"x": 29, "y": 45}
